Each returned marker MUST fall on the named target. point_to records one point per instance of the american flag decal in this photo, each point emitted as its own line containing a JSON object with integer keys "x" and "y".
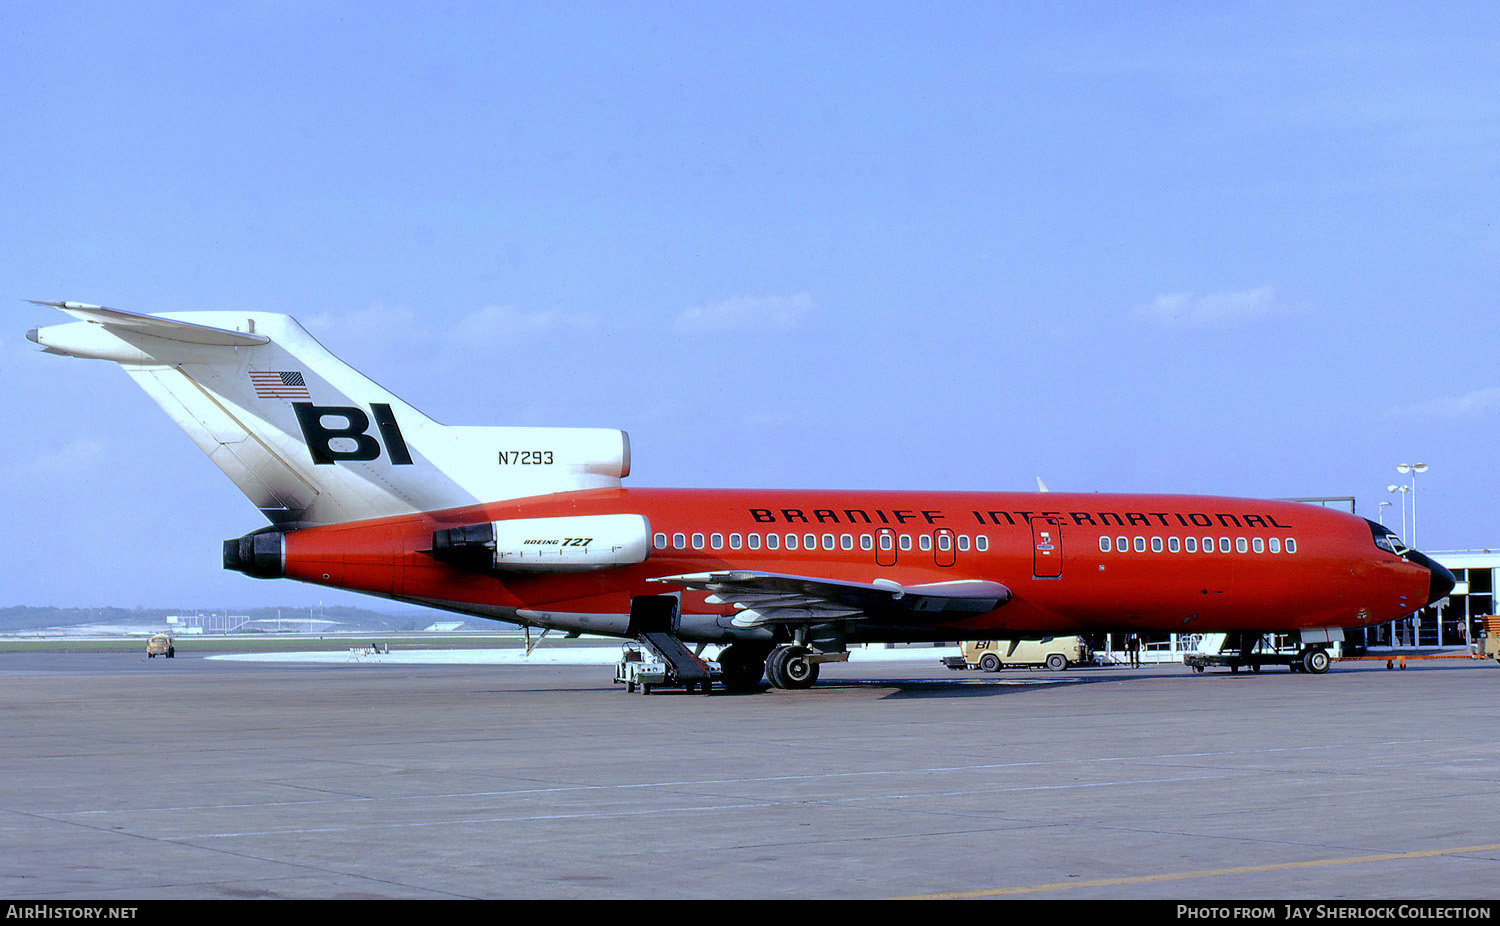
{"x": 272, "y": 384}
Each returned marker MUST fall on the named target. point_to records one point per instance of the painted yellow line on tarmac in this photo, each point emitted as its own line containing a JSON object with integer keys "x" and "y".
{"x": 1205, "y": 873}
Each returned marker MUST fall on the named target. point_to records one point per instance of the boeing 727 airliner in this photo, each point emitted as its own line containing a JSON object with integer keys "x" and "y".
{"x": 534, "y": 526}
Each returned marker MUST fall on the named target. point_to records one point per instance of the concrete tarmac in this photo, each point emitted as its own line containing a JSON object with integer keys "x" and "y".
{"x": 128, "y": 778}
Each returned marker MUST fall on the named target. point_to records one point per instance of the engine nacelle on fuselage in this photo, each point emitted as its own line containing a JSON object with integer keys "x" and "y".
{"x": 580, "y": 543}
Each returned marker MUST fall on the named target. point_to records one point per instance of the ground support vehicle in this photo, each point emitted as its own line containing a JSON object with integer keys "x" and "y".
{"x": 1054, "y": 653}
{"x": 641, "y": 667}
{"x": 160, "y": 645}
{"x": 658, "y": 658}
{"x": 1237, "y": 651}
{"x": 1489, "y": 646}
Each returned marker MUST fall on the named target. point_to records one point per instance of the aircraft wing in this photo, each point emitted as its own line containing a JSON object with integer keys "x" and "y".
{"x": 767, "y": 597}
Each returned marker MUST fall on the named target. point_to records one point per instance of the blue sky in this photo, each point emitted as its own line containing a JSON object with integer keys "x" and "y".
{"x": 1222, "y": 248}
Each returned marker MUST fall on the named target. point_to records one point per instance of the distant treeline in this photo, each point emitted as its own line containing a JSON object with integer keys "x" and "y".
{"x": 24, "y": 617}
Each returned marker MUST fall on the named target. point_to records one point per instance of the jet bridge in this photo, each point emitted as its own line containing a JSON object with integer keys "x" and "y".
{"x": 1252, "y": 650}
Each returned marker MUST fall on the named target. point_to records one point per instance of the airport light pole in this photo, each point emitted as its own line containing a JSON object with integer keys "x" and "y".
{"x": 1403, "y": 490}
{"x": 1382, "y": 508}
{"x": 1413, "y": 469}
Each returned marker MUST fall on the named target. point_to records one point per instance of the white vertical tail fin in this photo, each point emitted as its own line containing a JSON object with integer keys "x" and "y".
{"x": 309, "y": 439}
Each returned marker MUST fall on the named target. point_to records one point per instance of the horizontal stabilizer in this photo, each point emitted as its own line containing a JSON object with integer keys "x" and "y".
{"x": 156, "y": 326}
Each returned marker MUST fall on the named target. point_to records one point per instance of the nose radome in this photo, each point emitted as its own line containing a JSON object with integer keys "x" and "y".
{"x": 1442, "y": 581}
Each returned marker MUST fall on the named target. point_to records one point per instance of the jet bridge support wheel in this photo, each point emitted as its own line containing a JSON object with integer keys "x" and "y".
{"x": 791, "y": 667}
{"x": 1315, "y": 661}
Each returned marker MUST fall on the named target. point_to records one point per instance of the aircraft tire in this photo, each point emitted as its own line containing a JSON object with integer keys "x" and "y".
{"x": 789, "y": 667}
{"x": 1315, "y": 661}
{"x": 743, "y": 665}
{"x": 776, "y": 668}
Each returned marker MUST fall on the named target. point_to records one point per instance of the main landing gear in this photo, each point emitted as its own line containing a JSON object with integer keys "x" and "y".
{"x": 794, "y": 666}
{"x": 741, "y": 666}
{"x": 791, "y": 666}
{"x": 788, "y": 666}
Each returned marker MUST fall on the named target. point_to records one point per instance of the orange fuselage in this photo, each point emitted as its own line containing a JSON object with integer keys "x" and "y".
{"x": 1073, "y": 562}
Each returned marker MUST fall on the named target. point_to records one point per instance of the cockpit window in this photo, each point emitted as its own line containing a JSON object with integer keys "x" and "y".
{"x": 1386, "y": 540}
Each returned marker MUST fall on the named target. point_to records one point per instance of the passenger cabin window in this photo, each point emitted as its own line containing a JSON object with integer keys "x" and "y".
{"x": 982, "y": 543}
{"x": 1291, "y": 545}
{"x": 1190, "y": 544}
{"x": 866, "y": 542}
{"x": 906, "y": 541}
{"x": 697, "y": 541}
{"x": 1258, "y": 545}
{"x": 773, "y": 541}
{"x": 734, "y": 541}
{"x": 1240, "y": 546}
{"x": 1275, "y": 545}
{"x": 660, "y": 540}
{"x": 753, "y": 541}
{"x": 924, "y": 543}
{"x": 1172, "y": 545}
{"x": 1155, "y": 544}
{"x": 1208, "y": 544}
{"x": 679, "y": 541}
{"x": 1104, "y": 545}
{"x": 791, "y": 541}
{"x": 963, "y": 542}
{"x": 717, "y": 541}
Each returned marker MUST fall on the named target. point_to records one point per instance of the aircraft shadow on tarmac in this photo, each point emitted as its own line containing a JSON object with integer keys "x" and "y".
{"x": 972, "y": 685}
{"x": 904, "y": 687}
{"x": 960, "y": 688}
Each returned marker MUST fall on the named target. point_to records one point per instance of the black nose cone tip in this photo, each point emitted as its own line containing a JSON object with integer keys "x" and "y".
{"x": 1442, "y": 581}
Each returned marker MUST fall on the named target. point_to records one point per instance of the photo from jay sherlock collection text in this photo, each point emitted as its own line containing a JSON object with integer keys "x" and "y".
{"x": 1290, "y": 912}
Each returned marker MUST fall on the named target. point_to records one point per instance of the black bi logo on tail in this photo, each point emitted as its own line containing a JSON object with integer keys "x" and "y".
{"x": 355, "y": 428}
